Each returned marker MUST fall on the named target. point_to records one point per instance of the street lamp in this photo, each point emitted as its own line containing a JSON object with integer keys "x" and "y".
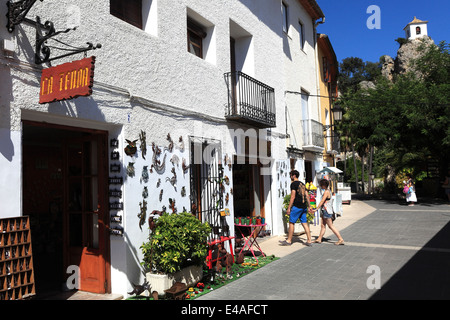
{"x": 337, "y": 112}
{"x": 337, "y": 116}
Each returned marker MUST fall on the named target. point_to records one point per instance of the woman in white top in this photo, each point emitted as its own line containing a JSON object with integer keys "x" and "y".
{"x": 327, "y": 213}
{"x": 411, "y": 195}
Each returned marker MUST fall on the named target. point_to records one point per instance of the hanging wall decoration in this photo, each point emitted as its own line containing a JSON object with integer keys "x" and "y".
{"x": 159, "y": 167}
{"x": 130, "y": 169}
{"x": 115, "y": 155}
{"x": 116, "y": 231}
{"x": 115, "y": 180}
{"x": 144, "y": 176}
{"x": 116, "y": 205}
{"x": 143, "y": 214}
{"x": 172, "y": 205}
{"x": 130, "y": 149}
{"x": 114, "y": 143}
{"x": 161, "y": 195}
{"x": 114, "y": 167}
{"x": 116, "y": 219}
{"x": 183, "y": 191}
{"x": 175, "y": 160}
{"x": 173, "y": 179}
{"x": 158, "y": 183}
{"x": 116, "y": 193}
{"x": 181, "y": 147}
{"x": 143, "y": 138}
{"x": 184, "y": 166}
{"x": 145, "y": 193}
{"x": 169, "y": 138}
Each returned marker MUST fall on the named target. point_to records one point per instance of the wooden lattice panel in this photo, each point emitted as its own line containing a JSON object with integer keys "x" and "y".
{"x": 16, "y": 259}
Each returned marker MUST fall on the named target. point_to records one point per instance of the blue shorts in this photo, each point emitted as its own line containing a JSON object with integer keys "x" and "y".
{"x": 297, "y": 213}
{"x": 324, "y": 214}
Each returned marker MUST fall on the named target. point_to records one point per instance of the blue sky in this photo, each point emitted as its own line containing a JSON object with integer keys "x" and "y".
{"x": 346, "y": 25}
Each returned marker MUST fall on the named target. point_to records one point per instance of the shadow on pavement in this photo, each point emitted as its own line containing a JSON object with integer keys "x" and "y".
{"x": 426, "y": 275}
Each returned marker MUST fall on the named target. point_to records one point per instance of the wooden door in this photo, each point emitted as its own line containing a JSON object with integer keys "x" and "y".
{"x": 86, "y": 210}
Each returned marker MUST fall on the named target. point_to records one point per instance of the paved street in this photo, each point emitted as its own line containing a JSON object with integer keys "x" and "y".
{"x": 406, "y": 248}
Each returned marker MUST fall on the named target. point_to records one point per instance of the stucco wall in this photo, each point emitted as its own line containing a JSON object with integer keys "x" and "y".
{"x": 146, "y": 80}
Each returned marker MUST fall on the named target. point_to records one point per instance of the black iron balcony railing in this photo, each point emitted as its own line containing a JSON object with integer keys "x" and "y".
{"x": 250, "y": 101}
{"x": 312, "y": 135}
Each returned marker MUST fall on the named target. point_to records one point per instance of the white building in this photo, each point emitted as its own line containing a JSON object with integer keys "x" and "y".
{"x": 416, "y": 29}
{"x": 229, "y": 77}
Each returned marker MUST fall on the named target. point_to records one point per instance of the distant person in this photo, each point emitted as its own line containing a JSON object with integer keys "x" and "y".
{"x": 411, "y": 197}
{"x": 325, "y": 208}
{"x": 298, "y": 208}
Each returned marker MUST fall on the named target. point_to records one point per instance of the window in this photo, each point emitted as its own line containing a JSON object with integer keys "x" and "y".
{"x": 129, "y": 11}
{"x": 284, "y": 13}
{"x": 301, "y": 35}
{"x": 195, "y": 36}
{"x": 417, "y": 30}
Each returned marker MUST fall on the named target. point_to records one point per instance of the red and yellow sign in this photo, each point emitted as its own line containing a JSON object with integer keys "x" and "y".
{"x": 67, "y": 81}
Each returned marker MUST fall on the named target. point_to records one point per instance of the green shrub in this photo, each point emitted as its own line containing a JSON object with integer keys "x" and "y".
{"x": 178, "y": 241}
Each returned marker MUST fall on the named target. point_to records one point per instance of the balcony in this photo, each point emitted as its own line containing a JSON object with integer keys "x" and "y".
{"x": 312, "y": 135}
{"x": 249, "y": 101}
{"x": 333, "y": 145}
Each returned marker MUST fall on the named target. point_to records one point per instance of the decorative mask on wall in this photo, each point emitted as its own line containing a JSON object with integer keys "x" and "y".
{"x": 130, "y": 149}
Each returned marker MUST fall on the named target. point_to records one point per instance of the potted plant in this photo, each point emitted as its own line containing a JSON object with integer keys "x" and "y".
{"x": 176, "y": 251}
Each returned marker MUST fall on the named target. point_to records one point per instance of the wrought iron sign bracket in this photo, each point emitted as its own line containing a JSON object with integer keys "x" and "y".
{"x": 44, "y": 32}
{"x": 17, "y": 12}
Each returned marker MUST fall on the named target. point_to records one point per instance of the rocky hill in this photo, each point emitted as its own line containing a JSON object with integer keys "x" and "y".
{"x": 409, "y": 50}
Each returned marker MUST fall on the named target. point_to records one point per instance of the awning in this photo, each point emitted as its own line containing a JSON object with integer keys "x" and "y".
{"x": 331, "y": 170}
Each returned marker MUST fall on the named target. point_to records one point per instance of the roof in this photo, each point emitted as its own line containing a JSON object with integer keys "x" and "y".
{"x": 312, "y": 8}
{"x": 331, "y": 170}
{"x": 415, "y": 21}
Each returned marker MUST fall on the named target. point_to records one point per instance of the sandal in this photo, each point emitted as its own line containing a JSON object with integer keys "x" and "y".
{"x": 285, "y": 243}
{"x": 339, "y": 243}
{"x": 317, "y": 241}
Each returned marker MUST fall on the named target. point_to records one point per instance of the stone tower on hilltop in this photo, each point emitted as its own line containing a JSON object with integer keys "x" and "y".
{"x": 416, "y": 35}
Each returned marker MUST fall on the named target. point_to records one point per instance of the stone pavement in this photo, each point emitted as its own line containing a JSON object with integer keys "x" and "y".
{"x": 391, "y": 251}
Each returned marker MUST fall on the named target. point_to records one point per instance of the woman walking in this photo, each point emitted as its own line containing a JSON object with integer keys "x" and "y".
{"x": 411, "y": 197}
{"x": 326, "y": 210}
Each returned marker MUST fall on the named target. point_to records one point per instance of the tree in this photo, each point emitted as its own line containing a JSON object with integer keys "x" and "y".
{"x": 407, "y": 120}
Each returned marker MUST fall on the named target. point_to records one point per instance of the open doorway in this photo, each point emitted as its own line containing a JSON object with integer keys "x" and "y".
{"x": 65, "y": 195}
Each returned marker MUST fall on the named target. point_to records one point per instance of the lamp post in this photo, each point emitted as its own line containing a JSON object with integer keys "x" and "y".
{"x": 337, "y": 112}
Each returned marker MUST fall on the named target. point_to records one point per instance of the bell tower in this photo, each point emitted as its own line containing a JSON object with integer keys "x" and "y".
{"x": 416, "y": 29}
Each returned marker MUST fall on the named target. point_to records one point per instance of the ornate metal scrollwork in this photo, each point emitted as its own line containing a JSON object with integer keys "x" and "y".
{"x": 44, "y": 49}
{"x": 17, "y": 12}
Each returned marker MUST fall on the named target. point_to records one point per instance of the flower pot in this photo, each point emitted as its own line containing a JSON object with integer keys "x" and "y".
{"x": 258, "y": 221}
{"x": 160, "y": 282}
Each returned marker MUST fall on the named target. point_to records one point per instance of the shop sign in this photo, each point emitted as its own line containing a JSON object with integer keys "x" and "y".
{"x": 67, "y": 81}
